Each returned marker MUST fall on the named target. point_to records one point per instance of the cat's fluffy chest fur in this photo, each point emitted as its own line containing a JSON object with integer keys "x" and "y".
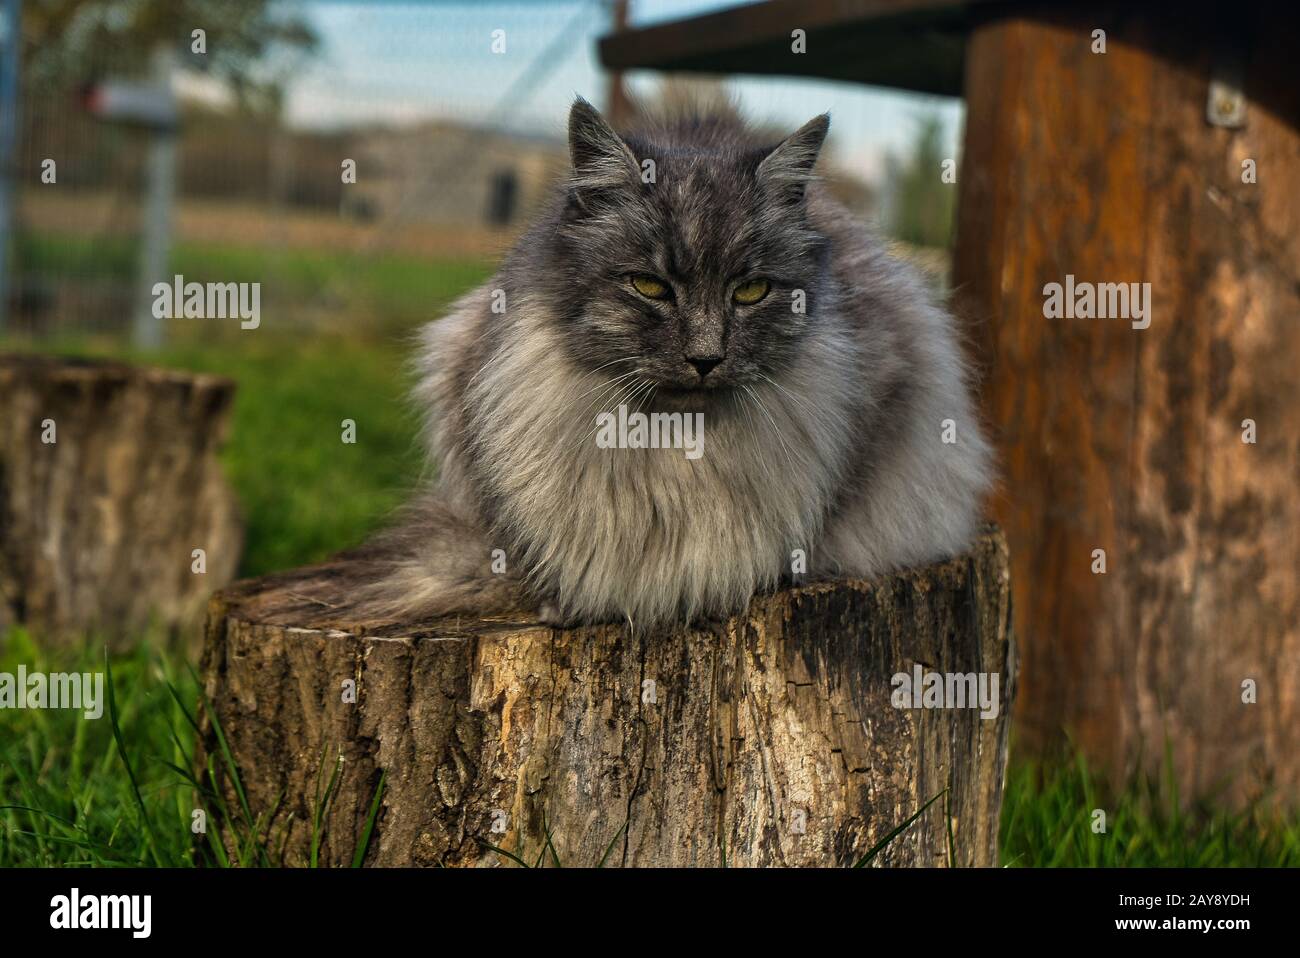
{"x": 842, "y": 432}
{"x": 646, "y": 535}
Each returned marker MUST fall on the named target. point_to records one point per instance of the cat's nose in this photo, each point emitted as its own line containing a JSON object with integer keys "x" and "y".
{"x": 703, "y": 364}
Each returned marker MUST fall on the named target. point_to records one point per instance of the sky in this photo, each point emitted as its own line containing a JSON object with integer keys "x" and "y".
{"x": 409, "y": 61}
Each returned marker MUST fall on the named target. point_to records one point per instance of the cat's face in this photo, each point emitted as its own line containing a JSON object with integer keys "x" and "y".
{"x": 691, "y": 268}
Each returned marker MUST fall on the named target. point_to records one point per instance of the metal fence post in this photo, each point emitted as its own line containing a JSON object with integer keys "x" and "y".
{"x": 10, "y": 51}
{"x": 155, "y": 245}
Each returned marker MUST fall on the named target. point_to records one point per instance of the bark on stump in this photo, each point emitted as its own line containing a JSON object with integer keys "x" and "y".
{"x": 767, "y": 739}
{"x": 98, "y": 526}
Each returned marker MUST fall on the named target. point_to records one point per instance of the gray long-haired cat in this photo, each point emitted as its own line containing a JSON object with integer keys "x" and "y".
{"x": 690, "y": 270}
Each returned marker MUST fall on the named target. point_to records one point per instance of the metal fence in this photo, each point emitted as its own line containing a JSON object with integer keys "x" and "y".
{"x": 367, "y": 178}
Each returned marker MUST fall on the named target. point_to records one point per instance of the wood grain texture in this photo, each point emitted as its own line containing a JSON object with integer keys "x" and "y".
{"x": 770, "y": 735}
{"x": 97, "y": 528}
{"x": 1130, "y": 440}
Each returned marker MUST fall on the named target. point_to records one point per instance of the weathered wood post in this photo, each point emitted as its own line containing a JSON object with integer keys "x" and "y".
{"x": 772, "y": 738}
{"x": 1169, "y": 452}
{"x": 109, "y": 481}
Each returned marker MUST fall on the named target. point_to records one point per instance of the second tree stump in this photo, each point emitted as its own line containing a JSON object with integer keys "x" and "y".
{"x": 114, "y": 513}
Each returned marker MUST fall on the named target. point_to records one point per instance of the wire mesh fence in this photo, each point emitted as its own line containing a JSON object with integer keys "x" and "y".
{"x": 396, "y": 154}
{"x": 362, "y": 162}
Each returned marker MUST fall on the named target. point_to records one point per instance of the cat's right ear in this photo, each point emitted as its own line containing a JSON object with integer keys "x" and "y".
{"x": 789, "y": 166}
{"x": 601, "y": 160}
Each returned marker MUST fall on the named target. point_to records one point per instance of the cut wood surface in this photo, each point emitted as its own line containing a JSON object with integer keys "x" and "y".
{"x": 771, "y": 738}
{"x": 109, "y": 481}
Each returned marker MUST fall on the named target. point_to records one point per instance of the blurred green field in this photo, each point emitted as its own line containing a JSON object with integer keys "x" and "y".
{"x": 386, "y": 292}
{"x": 72, "y": 792}
{"x": 304, "y": 492}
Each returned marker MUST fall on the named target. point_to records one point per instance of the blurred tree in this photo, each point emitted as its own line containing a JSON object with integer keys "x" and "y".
{"x": 71, "y": 43}
{"x": 920, "y": 203}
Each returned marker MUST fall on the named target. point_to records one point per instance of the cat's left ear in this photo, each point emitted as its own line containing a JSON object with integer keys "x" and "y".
{"x": 790, "y": 164}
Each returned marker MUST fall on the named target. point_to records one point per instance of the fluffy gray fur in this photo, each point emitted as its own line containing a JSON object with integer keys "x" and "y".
{"x": 823, "y": 429}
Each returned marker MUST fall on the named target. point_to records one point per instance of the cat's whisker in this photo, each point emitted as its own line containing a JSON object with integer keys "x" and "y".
{"x": 650, "y": 397}
{"x": 620, "y": 359}
{"x": 601, "y": 385}
{"x": 606, "y": 386}
{"x": 789, "y": 454}
{"x": 797, "y": 400}
{"x": 625, "y": 393}
{"x": 627, "y": 396}
{"x": 607, "y": 382}
{"x": 612, "y": 388}
{"x": 797, "y": 463}
{"x": 809, "y": 415}
{"x": 750, "y": 427}
{"x": 643, "y": 396}
{"x": 498, "y": 357}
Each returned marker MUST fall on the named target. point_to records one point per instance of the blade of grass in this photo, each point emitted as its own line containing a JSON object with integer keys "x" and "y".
{"x": 605, "y": 857}
{"x": 360, "y": 854}
{"x": 501, "y": 851}
{"x": 880, "y": 845}
{"x": 322, "y": 806}
{"x": 121, "y": 751}
{"x": 546, "y": 830}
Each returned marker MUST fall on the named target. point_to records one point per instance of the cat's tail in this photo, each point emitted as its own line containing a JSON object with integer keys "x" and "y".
{"x": 432, "y": 562}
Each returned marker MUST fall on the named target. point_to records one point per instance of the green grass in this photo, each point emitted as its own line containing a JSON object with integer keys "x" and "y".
{"x": 388, "y": 291}
{"x": 119, "y": 791}
{"x": 304, "y": 492}
{"x": 1048, "y": 821}
{"x": 66, "y": 797}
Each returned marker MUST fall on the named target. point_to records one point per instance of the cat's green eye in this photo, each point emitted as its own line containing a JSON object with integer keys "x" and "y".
{"x": 649, "y": 287}
{"x": 747, "y": 294}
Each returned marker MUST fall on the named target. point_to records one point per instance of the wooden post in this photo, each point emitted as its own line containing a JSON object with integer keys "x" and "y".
{"x": 771, "y": 738}
{"x": 1134, "y": 441}
{"x": 618, "y": 108}
{"x": 109, "y": 481}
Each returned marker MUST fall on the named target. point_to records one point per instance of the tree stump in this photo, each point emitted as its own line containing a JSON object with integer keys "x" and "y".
{"x": 772, "y": 738}
{"x": 109, "y": 481}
